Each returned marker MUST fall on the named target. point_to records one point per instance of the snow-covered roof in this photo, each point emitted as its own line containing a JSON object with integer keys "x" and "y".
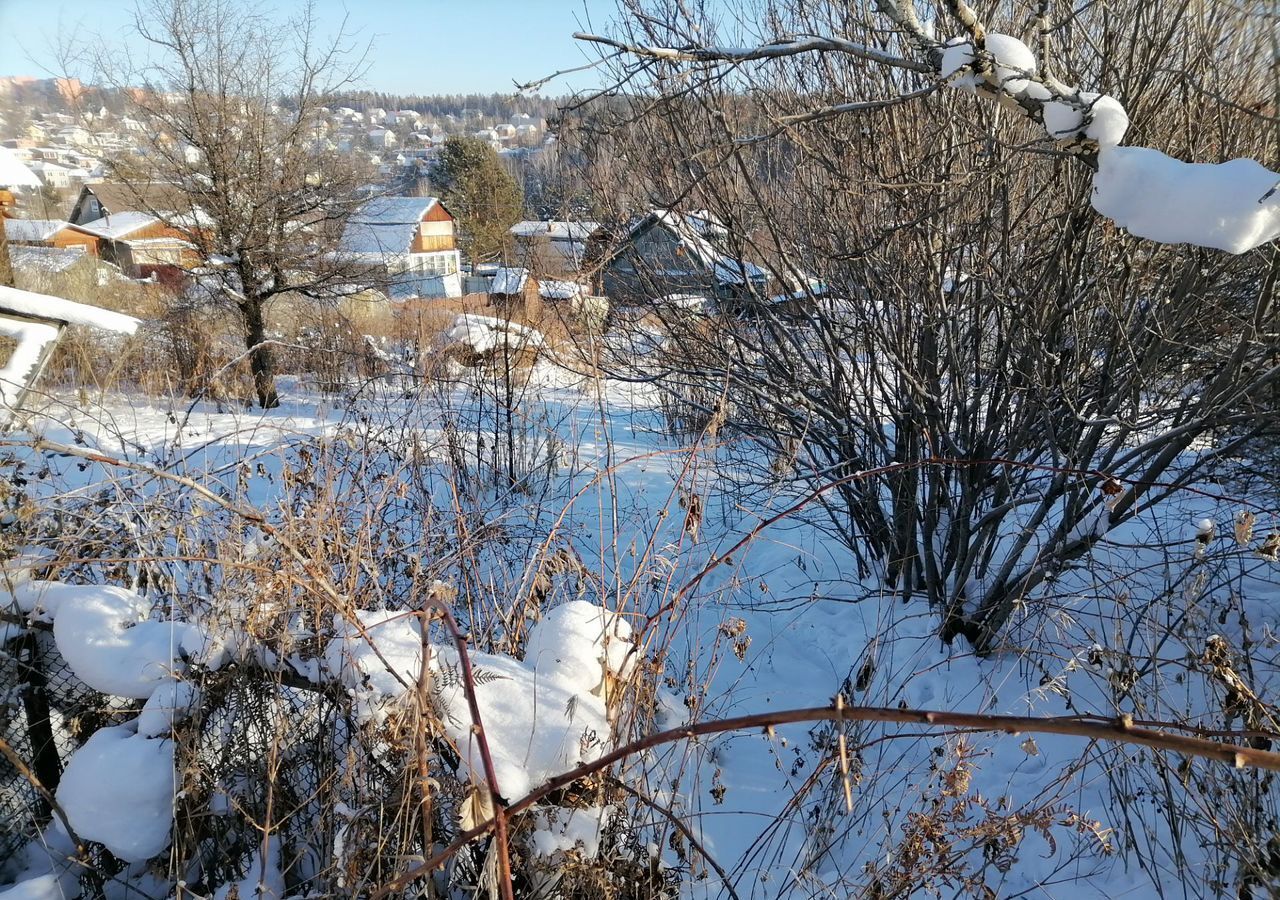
{"x": 120, "y": 225}
{"x": 689, "y": 302}
{"x": 14, "y": 173}
{"x": 697, "y": 232}
{"x": 44, "y": 306}
{"x": 394, "y": 210}
{"x": 559, "y": 290}
{"x": 508, "y": 281}
{"x": 385, "y": 224}
{"x": 159, "y": 241}
{"x": 49, "y": 260}
{"x": 555, "y": 231}
{"x": 32, "y": 229}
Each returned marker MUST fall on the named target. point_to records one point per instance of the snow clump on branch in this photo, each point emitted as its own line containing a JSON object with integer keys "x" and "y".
{"x": 1232, "y": 206}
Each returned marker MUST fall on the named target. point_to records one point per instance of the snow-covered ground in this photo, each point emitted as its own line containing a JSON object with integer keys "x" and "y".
{"x": 371, "y": 483}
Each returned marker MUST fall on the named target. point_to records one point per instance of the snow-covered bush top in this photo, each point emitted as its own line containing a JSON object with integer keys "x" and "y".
{"x": 1232, "y": 206}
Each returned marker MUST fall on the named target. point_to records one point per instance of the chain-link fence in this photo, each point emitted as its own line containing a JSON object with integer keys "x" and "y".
{"x": 45, "y": 713}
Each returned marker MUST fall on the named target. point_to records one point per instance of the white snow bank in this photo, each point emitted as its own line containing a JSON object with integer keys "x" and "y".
{"x": 42, "y": 887}
{"x": 118, "y": 790}
{"x": 103, "y": 634}
{"x": 1173, "y": 202}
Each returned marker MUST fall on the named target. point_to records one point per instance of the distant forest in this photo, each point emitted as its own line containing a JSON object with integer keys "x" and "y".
{"x": 42, "y": 96}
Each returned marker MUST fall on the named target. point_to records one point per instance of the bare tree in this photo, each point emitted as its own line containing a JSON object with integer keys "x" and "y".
{"x": 233, "y": 99}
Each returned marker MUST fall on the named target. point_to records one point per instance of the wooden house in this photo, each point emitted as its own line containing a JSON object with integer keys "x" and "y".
{"x": 551, "y": 249}
{"x": 107, "y": 199}
{"x": 142, "y": 245}
{"x": 49, "y": 233}
{"x": 409, "y": 245}
{"x": 668, "y": 253}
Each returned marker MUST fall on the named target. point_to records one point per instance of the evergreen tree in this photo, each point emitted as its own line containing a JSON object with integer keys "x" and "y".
{"x": 479, "y": 191}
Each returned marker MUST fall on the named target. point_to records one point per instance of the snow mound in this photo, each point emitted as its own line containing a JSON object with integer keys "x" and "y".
{"x": 169, "y": 705}
{"x": 118, "y": 790}
{"x": 537, "y": 724}
{"x": 42, "y": 887}
{"x": 1225, "y": 206}
{"x": 103, "y": 634}
{"x": 484, "y": 334}
{"x": 578, "y": 643}
{"x": 358, "y": 661}
{"x": 541, "y": 717}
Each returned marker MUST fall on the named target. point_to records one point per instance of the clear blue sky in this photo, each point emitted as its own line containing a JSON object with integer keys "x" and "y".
{"x": 420, "y": 46}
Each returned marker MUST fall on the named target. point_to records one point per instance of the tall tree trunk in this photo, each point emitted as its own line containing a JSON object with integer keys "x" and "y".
{"x": 261, "y": 359}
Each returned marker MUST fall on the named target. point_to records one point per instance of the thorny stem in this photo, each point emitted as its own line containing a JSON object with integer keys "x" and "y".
{"x": 1121, "y": 730}
{"x": 499, "y": 821}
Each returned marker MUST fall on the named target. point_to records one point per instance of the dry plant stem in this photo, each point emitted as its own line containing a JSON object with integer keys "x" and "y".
{"x": 499, "y": 823}
{"x": 422, "y": 758}
{"x": 1121, "y": 730}
{"x": 684, "y": 829}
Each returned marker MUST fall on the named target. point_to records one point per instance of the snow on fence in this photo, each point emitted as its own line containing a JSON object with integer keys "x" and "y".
{"x": 35, "y": 322}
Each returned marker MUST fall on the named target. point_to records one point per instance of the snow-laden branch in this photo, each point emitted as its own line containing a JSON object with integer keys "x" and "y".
{"x": 772, "y": 50}
{"x": 1232, "y": 206}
